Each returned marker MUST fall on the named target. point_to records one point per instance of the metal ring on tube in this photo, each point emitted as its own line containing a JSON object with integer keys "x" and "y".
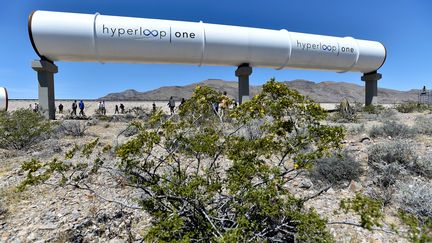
{"x": 95, "y": 38}
{"x": 4, "y": 99}
{"x": 288, "y": 58}
{"x": 203, "y": 44}
{"x": 357, "y": 56}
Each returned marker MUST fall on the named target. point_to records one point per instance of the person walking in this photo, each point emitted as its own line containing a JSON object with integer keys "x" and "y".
{"x": 122, "y": 107}
{"x": 36, "y": 107}
{"x": 60, "y": 107}
{"x": 154, "y": 107}
{"x": 224, "y": 104}
{"x": 103, "y": 108}
{"x": 74, "y": 108}
{"x": 100, "y": 107}
{"x": 81, "y": 107}
{"x": 116, "y": 109}
{"x": 171, "y": 104}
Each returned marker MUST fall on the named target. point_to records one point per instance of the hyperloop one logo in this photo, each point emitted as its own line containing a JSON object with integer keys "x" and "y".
{"x": 317, "y": 46}
{"x": 324, "y": 47}
{"x": 145, "y": 33}
{"x": 135, "y": 32}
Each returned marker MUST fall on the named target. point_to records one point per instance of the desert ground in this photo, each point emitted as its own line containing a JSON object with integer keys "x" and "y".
{"x": 52, "y": 213}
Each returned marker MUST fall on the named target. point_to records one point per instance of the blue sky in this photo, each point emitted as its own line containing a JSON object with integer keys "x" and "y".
{"x": 404, "y": 27}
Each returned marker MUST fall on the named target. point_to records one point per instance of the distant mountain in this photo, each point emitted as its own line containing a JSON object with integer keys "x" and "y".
{"x": 320, "y": 92}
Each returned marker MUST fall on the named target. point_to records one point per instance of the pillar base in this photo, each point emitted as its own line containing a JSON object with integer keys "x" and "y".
{"x": 371, "y": 86}
{"x": 45, "y": 72}
{"x": 243, "y": 72}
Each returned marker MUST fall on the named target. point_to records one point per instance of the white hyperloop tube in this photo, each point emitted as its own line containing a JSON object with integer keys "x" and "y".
{"x": 58, "y": 36}
{"x": 3, "y": 99}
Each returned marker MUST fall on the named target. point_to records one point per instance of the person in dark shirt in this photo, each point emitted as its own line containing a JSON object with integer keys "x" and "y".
{"x": 60, "y": 107}
{"x": 171, "y": 104}
{"x": 116, "y": 109}
{"x": 74, "y": 108}
{"x": 122, "y": 107}
{"x": 81, "y": 107}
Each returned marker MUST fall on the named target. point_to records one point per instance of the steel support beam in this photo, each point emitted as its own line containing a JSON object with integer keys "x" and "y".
{"x": 45, "y": 73}
{"x": 243, "y": 72}
{"x": 371, "y": 86}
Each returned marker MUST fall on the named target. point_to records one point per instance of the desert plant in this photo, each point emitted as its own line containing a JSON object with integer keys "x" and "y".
{"x": 345, "y": 112}
{"x": 22, "y": 128}
{"x": 393, "y": 129}
{"x": 423, "y": 165}
{"x": 73, "y": 128}
{"x": 409, "y": 107}
{"x": 415, "y": 197}
{"x": 369, "y": 210}
{"x": 373, "y": 109}
{"x": 387, "y": 114}
{"x": 138, "y": 112}
{"x": 419, "y": 229}
{"x": 336, "y": 169}
{"x": 252, "y": 130}
{"x": 228, "y": 190}
{"x": 423, "y": 125}
{"x": 356, "y": 129}
{"x": 130, "y": 130}
{"x": 401, "y": 152}
{"x": 384, "y": 177}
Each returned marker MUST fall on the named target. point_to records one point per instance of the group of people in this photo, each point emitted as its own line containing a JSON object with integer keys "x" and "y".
{"x": 218, "y": 108}
{"x": 74, "y": 108}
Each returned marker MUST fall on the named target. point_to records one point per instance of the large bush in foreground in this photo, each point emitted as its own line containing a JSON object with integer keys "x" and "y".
{"x": 22, "y": 128}
{"x": 205, "y": 181}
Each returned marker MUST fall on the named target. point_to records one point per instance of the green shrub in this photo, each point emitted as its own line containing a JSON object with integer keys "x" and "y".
{"x": 373, "y": 109}
{"x": 393, "y": 129}
{"x": 336, "y": 169}
{"x": 210, "y": 182}
{"x": 409, "y": 107}
{"x": 419, "y": 229}
{"x": 369, "y": 210}
{"x": 22, "y": 128}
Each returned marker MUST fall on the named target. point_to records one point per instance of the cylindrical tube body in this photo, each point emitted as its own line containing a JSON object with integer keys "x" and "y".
{"x": 3, "y": 99}
{"x": 99, "y": 38}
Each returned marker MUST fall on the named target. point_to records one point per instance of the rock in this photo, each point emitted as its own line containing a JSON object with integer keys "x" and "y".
{"x": 365, "y": 139}
{"x": 32, "y": 236}
{"x": 5, "y": 236}
{"x": 116, "y": 240}
{"x": 354, "y": 186}
{"x": 75, "y": 215}
{"x": 331, "y": 190}
{"x": 306, "y": 184}
{"x": 48, "y": 226}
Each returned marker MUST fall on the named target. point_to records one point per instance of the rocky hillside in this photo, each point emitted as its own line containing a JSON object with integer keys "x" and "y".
{"x": 321, "y": 92}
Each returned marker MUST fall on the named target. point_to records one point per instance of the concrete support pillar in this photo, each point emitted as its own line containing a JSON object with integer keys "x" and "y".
{"x": 371, "y": 86}
{"x": 45, "y": 72}
{"x": 243, "y": 72}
